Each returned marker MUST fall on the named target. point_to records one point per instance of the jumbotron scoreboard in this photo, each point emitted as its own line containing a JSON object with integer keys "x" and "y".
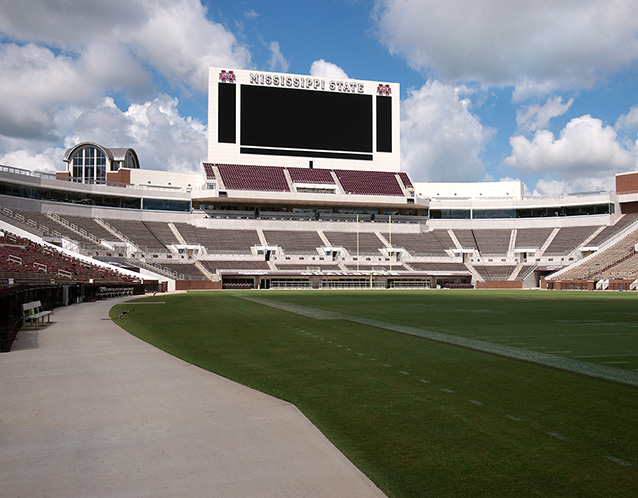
{"x": 276, "y": 119}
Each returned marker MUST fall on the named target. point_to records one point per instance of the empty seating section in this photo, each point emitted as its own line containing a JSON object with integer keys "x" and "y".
{"x": 307, "y": 175}
{"x": 379, "y": 266}
{"x": 89, "y": 225}
{"x": 568, "y": 239}
{"x": 210, "y": 172}
{"x": 273, "y": 179}
{"x": 244, "y": 177}
{"x": 406, "y": 180}
{"x": 310, "y": 266}
{"x": 492, "y": 241}
{"x": 188, "y": 232}
{"x": 495, "y": 272}
{"x": 43, "y": 224}
{"x": 294, "y": 242}
{"x": 422, "y": 244}
{"x": 162, "y": 232}
{"x": 617, "y": 261}
{"x": 369, "y": 243}
{"x": 25, "y": 261}
{"x": 486, "y": 242}
{"x": 213, "y": 266}
{"x": 189, "y": 270}
{"x": 369, "y": 182}
{"x": 466, "y": 239}
{"x": 439, "y": 267}
{"x": 137, "y": 232}
{"x": 611, "y": 231}
{"x": 531, "y": 238}
{"x": 223, "y": 241}
{"x": 524, "y": 271}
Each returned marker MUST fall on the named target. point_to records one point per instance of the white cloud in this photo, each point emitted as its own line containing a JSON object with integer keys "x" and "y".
{"x": 548, "y": 186}
{"x": 585, "y": 149}
{"x": 628, "y": 121}
{"x": 277, "y": 61}
{"x": 323, "y": 69}
{"x": 533, "y": 117}
{"x": 182, "y": 43}
{"x": 49, "y": 160}
{"x": 538, "y": 46}
{"x": 162, "y": 138}
{"x": 102, "y": 53}
{"x": 441, "y": 140}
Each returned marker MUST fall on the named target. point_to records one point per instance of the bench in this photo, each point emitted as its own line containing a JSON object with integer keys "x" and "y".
{"x": 32, "y": 313}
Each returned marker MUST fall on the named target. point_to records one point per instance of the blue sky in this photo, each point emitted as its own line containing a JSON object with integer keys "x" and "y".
{"x": 542, "y": 91}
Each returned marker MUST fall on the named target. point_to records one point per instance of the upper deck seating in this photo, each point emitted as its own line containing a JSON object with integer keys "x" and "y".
{"x": 138, "y": 233}
{"x": 531, "y": 238}
{"x": 246, "y": 177}
{"x": 369, "y": 243}
{"x": 225, "y": 241}
{"x": 611, "y": 231}
{"x": 369, "y": 182}
{"x": 294, "y": 242}
{"x": 308, "y": 175}
{"x": 422, "y": 244}
{"x": 162, "y": 232}
{"x": 494, "y": 241}
{"x": 406, "y": 180}
{"x": 568, "y": 239}
{"x": 466, "y": 239}
{"x": 89, "y": 225}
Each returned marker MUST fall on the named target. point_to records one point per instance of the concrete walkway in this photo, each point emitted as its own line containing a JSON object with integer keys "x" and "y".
{"x": 87, "y": 410}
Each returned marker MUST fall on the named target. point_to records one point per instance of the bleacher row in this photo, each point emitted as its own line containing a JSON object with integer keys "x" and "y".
{"x": 494, "y": 245}
{"x": 273, "y": 179}
{"x": 26, "y": 262}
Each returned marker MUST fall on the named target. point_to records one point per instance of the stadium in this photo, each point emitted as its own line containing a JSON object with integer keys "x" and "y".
{"x": 302, "y": 189}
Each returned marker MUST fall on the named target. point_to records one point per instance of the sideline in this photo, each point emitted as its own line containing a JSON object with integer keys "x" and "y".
{"x": 90, "y": 410}
{"x": 559, "y": 362}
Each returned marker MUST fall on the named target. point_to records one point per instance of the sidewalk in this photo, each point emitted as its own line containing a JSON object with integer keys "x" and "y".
{"x": 87, "y": 410}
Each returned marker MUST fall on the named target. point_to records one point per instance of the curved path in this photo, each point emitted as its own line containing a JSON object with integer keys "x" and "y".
{"x": 88, "y": 410}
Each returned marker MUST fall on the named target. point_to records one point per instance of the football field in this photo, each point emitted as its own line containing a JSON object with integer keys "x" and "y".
{"x": 434, "y": 393}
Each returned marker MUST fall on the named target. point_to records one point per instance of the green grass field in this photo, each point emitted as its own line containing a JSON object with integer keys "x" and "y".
{"x": 424, "y": 417}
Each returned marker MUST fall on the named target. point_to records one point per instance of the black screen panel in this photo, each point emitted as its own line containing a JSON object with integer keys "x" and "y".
{"x": 305, "y": 119}
{"x": 226, "y": 119}
{"x": 384, "y": 124}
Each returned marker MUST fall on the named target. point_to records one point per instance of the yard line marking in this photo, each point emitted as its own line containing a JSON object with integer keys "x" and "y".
{"x": 512, "y": 417}
{"x": 607, "y": 356}
{"x": 446, "y": 390}
{"x": 477, "y": 403}
{"x": 555, "y": 435}
{"x": 403, "y": 372}
{"x": 624, "y": 463}
{"x": 560, "y": 352}
{"x": 425, "y": 381}
{"x": 559, "y": 362}
{"x": 612, "y": 362}
{"x": 386, "y": 365}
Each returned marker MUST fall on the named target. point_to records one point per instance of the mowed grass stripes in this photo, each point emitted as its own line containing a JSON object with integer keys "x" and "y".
{"x": 419, "y": 417}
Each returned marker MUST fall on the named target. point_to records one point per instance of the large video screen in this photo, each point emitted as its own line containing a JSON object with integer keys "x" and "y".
{"x": 295, "y": 119}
